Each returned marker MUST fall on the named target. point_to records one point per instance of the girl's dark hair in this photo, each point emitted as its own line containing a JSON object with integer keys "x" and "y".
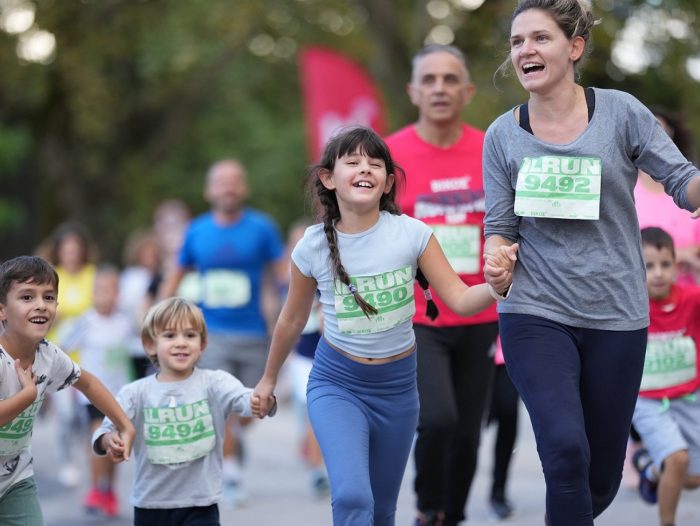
{"x": 347, "y": 141}
{"x": 26, "y": 269}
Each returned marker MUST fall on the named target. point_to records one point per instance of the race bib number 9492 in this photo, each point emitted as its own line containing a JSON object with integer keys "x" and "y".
{"x": 559, "y": 187}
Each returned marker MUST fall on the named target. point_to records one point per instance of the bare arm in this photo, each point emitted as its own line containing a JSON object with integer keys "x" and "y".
{"x": 102, "y": 399}
{"x": 458, "y": 296}
{"x": 292, "y": 319}
{"x": 10, "y": 408}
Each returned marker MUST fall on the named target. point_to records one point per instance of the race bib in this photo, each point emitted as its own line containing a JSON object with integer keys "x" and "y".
{"x": 391, "y": 293}
{"x": 461, "y": 245}
{"x": 559, "y": 187}
{"x": 178, "y": 434}
{"x": 669, "y": 362}
{"x": 225, "y": 289}
{"x": 16, "y": 434}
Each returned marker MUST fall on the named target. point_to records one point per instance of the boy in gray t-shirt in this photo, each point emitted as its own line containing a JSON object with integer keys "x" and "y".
{"x": 179, "y": 414}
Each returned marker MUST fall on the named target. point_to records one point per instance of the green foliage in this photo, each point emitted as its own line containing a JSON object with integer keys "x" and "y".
{"x": 141, "y": 97}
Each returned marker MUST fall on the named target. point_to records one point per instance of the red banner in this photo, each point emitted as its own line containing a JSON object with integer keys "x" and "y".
{"x": 337, "y": 93}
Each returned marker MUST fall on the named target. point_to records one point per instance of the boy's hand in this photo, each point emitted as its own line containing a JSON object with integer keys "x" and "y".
{"x": 26, "y": 377}
{"x": 127, "y": 436}
{"x": 263, "y": 399}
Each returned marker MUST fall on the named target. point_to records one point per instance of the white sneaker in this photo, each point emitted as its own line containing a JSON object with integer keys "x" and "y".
{"x": 69, "y": 476}
{"x": 235, "y": 494}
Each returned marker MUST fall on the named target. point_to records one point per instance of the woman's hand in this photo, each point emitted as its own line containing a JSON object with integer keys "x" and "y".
{"x": 499, "y": 265}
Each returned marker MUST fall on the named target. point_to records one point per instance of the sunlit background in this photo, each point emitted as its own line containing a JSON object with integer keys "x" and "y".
{"x": 109, "y": 106}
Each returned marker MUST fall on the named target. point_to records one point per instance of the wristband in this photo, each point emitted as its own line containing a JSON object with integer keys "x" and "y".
{"x": 499, "y": 297}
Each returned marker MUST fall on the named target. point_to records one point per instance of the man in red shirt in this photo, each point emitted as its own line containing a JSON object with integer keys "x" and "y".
{"x": 442, "y": 159}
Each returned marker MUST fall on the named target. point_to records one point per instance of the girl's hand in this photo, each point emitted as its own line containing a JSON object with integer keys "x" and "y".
{"x": 118, "y": 443}
{"x": 26, "y": 377}
{"x": 114, "y": 445}
{"x": 263, "y": 399}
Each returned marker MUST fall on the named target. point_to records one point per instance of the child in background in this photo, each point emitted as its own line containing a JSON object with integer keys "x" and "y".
{"x": 362, "y": 396}
{"x": 667, "y": 414}
{"x": 72, "y": 252}
{"x": 31, "y": 368}
{"x": 179, "y": 413}
{"x": 104, "y": 335}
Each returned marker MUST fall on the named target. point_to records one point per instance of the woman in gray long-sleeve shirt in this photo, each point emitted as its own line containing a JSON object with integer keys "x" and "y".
{"x": 559, "y": 174}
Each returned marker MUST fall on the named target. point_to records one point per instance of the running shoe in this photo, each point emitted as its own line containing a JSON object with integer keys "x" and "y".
{"x": 320, "y": 486}
{"x": 647, "y": 488}
{"x": 93, "y": 501}
{"x": 234, "y": 494}
{"x": 110, "y": 504}
{"x": 500, "y": 508}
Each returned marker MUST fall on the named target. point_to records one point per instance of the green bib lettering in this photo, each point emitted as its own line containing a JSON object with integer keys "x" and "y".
{"x": 178, "y": 434}
{"x": 16, "y": 434}
{"x": 559, "y": 187}
{"x": 669, "y": 362}
{"x": 391, "y": 293}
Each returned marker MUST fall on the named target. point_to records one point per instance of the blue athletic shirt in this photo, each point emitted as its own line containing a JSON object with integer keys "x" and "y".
{"x": 230, "y": 261}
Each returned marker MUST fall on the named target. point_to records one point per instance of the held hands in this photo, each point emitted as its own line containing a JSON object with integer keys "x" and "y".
{"x": 118, "y": 444}
{"x": 499, "y": 265}
{"x": 263, "y": 400}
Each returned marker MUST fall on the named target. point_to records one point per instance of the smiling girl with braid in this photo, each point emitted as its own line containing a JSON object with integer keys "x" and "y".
{"x": 363, "y": 258}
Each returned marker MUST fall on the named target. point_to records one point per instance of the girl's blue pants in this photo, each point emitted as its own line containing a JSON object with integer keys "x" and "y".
{"x": 364, "y": 418}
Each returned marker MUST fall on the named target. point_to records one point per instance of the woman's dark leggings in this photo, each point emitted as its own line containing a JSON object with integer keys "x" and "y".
{"x": 580, "y": 387}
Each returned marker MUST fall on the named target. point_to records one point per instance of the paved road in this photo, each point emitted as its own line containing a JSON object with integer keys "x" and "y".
{"x": 279, "y": 492}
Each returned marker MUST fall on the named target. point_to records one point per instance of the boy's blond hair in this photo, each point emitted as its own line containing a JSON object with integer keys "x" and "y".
{"x": 171, "y": 313}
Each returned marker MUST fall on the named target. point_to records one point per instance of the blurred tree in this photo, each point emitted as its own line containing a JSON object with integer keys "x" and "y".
{"x": 109, "y": 106}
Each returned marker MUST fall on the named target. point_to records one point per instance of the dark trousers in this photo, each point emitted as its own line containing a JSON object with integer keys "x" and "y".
{"x": 455, "y": 367}
{"x": 580, "y": 387}
{"x": 193, "y": 516}
{"x": 503, "y": 414}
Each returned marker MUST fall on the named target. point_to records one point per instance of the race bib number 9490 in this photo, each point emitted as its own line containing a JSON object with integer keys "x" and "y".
{"x": 391, "y": 293}
{"x": 559, "y": 187}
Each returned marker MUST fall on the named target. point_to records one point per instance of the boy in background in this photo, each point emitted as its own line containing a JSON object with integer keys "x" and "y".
{"x": 667, "y": 414}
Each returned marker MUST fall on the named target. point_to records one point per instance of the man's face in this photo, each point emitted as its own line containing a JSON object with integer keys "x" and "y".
{"x": 226, "y": 188}
{"x": 440, "y": 87}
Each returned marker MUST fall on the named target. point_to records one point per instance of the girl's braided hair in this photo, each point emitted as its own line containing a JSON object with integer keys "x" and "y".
{"x": 348, "y": 141}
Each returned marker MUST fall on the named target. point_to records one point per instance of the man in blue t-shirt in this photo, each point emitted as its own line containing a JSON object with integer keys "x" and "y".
{"x": 237, "y": 252}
